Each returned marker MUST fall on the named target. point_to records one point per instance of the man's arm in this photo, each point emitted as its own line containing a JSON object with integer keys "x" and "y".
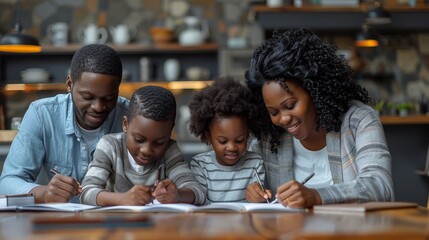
{"x": 25, "y": 157}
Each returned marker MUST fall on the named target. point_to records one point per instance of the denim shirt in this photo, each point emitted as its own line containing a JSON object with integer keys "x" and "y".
{"x": 49, "y": 138}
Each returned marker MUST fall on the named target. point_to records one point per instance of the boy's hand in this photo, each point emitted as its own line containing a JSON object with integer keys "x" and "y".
{"x": 254, "y": 193}
{"x": 166, "y": 192}
{"x": 137, "y": 195}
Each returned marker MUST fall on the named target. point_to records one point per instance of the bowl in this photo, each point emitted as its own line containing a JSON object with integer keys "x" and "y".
{"x": 197, "y": 73}
{"x": 35, "y": 75}
{"x": 161, "y": 35}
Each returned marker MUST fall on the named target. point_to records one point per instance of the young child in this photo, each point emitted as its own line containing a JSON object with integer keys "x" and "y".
{"x": 220, "y": 116}
{"x": 142, "y": 163}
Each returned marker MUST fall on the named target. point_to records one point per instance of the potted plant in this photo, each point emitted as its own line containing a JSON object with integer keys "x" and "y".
{"x": 404, "y": 108}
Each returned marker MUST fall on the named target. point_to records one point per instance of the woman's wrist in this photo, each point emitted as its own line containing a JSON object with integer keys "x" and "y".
{"x": 317, "y": 198}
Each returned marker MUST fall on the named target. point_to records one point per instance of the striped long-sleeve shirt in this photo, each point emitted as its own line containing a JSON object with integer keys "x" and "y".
{"x": 227, "y": 183}
{"x": 111, "y": 170}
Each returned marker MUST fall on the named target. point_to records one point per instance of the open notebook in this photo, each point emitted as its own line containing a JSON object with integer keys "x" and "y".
{"x": 173, "y": 207}
{"x": 50, "y": 207}
{"x": 213, "y": 207}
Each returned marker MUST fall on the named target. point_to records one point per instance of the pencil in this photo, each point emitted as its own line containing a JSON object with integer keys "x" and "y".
{"x": 55, "y": 172}
{"x": 303, "y": 182}
{"x": 260, "y": 182}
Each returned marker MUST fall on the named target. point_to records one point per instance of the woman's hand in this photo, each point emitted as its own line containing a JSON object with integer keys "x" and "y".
{"x": 295, "y": 195}
{"x": 254, "y": 193}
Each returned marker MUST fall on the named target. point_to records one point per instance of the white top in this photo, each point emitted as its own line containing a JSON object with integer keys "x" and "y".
{"x": 134, "y": 165}
{"x": 307, "y": 162}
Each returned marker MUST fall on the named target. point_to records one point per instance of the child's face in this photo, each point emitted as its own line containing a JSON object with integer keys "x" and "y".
{"x": 147, "y": 139}
{"x": 228, "y": 136}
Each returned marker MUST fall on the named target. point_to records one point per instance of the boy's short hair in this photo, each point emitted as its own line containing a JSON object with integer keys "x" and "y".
{"x": 96, "y": 58}
{"x": 152, "y": 102}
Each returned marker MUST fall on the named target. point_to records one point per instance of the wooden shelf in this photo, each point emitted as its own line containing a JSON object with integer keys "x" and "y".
{"x": 334, "y": 19}
{"x": 135, "y": 48}
{"x": 7, "y": 136}
{"x": 396, "y": 120}
{"x": 126, "y": 86}
{"x": 319, "y": 8}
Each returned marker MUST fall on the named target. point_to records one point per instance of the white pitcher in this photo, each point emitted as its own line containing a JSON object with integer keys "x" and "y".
{"x": 92, "y": 34}
{"x": 122, "y": 34}
{"x": 196, "y": 32}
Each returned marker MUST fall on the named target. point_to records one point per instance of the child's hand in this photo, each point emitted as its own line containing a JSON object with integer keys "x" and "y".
{"x": 137, "y": 195}
{"x": 254, "y": 193}
{"x": 166, "y": 192}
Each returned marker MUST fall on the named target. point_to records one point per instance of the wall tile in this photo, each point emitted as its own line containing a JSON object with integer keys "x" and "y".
{"x": 45, "y": 9}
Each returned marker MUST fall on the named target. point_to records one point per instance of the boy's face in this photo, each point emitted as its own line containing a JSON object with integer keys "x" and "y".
{"x": 94, "y": 97}
{"x": 147, "y": 140}
{"x": 228, "y": 136}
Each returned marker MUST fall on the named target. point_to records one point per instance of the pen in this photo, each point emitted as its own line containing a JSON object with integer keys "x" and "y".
{"x": 260, "y": 182}
{"x": 303, "y": 182}
{"x": 55, "y": 172}
{"x": 158, "y": 178}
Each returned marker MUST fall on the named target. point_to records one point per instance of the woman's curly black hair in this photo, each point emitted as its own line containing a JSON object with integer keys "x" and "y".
{"x": 300, "y": 55}
{"x": 226, "y": 97}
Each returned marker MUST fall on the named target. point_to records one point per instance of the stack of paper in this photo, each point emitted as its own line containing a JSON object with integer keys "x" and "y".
{"x": 361, "y": 207}
{"x": 16, "y": 200}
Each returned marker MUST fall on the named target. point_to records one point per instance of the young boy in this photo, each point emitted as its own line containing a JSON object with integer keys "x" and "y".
{"x": 142, "y": 163}
{"x": 220, "y": 116}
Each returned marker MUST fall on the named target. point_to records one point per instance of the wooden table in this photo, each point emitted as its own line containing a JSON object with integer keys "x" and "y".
{"x": 391, "y": 224}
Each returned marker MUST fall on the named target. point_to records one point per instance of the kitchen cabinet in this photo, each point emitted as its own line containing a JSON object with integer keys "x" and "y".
{"x": 56, "y": 60}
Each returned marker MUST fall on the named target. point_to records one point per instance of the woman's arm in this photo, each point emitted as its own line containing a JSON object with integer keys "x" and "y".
{"x": 366, "y": 162}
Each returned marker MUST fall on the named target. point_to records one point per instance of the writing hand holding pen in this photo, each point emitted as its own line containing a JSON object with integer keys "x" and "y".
{"x": 60, "y": 188}
{"x": 295, "y": 194}
{"x": 255, "y": 192}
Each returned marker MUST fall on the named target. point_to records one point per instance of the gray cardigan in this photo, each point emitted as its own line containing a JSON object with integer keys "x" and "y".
{"x": 359, "y": 159}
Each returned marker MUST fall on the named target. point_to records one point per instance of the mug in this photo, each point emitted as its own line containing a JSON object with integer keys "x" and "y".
{"x": 92, "y": 34}
{"x": 122, "y": 34}
{"x": 171, "y": 69}
{"x": 274, "y": 3}
{"x": 58, "y": 33}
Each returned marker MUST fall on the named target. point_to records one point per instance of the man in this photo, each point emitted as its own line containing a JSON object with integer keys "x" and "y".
{"x": 51, "y": 152}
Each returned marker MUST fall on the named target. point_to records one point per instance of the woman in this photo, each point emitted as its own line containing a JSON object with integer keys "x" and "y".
{"x": 315, "y": 119}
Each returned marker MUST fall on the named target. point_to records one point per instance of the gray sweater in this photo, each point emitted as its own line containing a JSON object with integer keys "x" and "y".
{"x": 111, "y": 170}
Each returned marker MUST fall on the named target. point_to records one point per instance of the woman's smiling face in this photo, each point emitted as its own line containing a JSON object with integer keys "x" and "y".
{"x": 294, "y": 111}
